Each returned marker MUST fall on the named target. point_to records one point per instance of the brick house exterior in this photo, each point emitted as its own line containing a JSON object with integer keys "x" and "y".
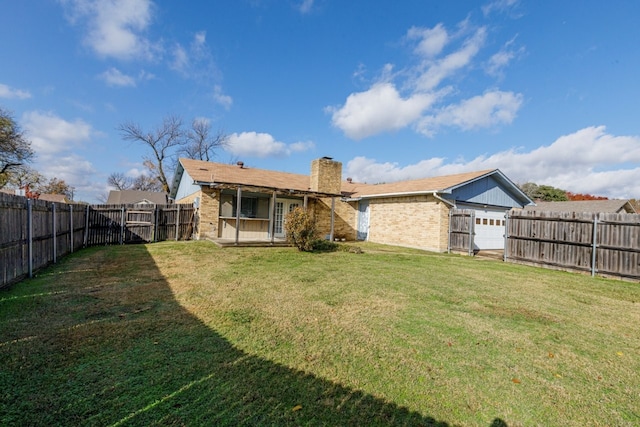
{"x": 407, "y": 213}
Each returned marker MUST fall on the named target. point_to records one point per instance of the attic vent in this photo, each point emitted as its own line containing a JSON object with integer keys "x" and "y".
{"x": 203, "y": 169}
{"x": 241, "y": 164}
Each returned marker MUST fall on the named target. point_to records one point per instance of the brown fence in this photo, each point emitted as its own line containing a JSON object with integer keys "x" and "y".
{"x": 35, "y": 233}
{"x": 605, "y": 243}
{"x": 461, "y": 231}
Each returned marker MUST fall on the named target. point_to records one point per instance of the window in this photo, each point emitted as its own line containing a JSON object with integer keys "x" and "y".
{"x": 251, "y": 206}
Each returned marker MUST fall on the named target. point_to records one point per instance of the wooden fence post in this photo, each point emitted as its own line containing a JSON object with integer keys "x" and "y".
{"x": 71, "y": 231}
{"x": 450, "y": 225}
{"x": 472, "y": 219}
{"x": 594, "y": 245}
{"x": 506, "y": 236}
{"x": 177, "y": 222}
{"x": 156, "y": 213}
{"x": 55, "y": 233}
{"x": 30, "y": 234}
{"x": 122, "y": 226}
{"x": 86, "y": 227}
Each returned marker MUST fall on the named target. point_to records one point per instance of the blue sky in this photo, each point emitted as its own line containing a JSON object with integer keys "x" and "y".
{"x": 546, "y": 91}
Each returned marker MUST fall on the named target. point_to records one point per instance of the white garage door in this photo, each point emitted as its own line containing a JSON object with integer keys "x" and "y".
{"x": 489, "y": 229}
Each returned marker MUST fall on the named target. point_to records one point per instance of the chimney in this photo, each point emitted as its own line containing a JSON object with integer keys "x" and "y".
{"x": 326, "y": 175}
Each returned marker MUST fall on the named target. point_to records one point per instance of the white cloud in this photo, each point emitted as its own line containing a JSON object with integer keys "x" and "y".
{"x": 431, "y": 40}
{"x": 11, "y": 93}
{"x": 56, "y": 142}
{"x": 443, "y": 68}
{"x": 483, "y": 111}
{"x": 50, "y": 134}
{"x": 424, "y": 103}
{"x": 587, "y": 161}
{"x": 501, "y": 59}
{"x": 379, "y": 109}
{"x": 499, "y": 6}
{"x": 254, "y": 144}
{"x": 305, "y": 6}
{"x": 115, "y": 77}
{"x": 114, "y": 28}
{"x": 225, "y": 100}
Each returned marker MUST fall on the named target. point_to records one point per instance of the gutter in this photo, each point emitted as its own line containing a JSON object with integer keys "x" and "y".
{"x": 445, "y": 201}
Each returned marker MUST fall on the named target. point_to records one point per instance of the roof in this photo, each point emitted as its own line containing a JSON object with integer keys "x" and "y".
{"x": 438, "y": 184}
{"x": 127, "y": 197}
{"x": 203, "y": 172}
{"x": 55, "y": 198}
{"x": 210, "y": 173}
{"x": 605, "y": 206}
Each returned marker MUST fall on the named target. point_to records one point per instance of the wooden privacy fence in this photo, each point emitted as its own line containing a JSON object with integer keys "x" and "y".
{"x": 461, "y": 232}
{"x": 35, "y": 233}
{"x": 604, "y": 243}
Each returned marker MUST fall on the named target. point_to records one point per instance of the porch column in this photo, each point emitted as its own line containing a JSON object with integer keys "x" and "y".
{"x": 272, "y": 217}
{"x": 238, "y": 208}
{"x": 333, "y": 211}
{"x": 306, "y": 201}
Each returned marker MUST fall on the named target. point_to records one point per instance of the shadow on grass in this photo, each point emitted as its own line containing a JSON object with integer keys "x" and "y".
{"x": 87, "y": 348}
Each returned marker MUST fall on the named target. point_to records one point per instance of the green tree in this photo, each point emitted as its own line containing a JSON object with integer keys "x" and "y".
{"x": 15, "y": 149}
{"x": 545, "y": 193}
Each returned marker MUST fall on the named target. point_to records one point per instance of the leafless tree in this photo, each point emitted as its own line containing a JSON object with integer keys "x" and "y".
{"x": 201, "y": 143}
{"x": 119, "y": 181}
{"x": 163, "y": 141}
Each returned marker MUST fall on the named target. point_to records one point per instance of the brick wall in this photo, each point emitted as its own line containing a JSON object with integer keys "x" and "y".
{"x": 345, "y": 218}
{"x": 416, "y": 221}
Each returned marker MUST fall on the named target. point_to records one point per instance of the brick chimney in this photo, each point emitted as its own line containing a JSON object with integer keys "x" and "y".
{"x": 326, "y": 175}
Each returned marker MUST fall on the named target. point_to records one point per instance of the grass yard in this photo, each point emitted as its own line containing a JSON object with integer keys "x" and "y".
{"x": 185, "y": 333}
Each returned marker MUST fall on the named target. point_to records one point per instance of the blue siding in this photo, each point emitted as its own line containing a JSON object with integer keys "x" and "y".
{"x": 186, "y": 186}
{"x": 485, "y": 191}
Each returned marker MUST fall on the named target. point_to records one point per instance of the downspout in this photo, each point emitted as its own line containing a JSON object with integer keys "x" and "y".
{"x": 452, "y": 205}
{"x": 447, "y": 202}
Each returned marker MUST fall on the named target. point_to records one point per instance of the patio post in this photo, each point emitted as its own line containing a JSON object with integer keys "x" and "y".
{"x": 238, "y": 207}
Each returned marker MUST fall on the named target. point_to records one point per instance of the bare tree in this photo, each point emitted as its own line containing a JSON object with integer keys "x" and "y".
{"x": 119, "y": 181}
{"x": 201, "y": 143}
{"x": 15, "y": 149}
{"x": 163, "y": 142}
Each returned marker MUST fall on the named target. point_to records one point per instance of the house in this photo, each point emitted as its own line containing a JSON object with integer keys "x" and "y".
{"x": 598, "y": 206}
{"x": 408, "y": 213}
{"x": 135, "y": 197}
{"x": 54, "y": 198}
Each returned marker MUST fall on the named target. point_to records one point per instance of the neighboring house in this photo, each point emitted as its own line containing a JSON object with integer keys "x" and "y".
{"x": 135, "y": 197}
{"x": 409, "y": 213}
{"x": 596, "y": 206}
{"x": 54, "y": 198}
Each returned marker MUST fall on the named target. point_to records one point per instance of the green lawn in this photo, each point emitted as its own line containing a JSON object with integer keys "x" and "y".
{"x": 185, "y": 333}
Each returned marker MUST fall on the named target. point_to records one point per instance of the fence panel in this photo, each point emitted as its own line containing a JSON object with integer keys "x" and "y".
{"x": 604, "y": 243}
{"x": 35, "y": 233}
{"x": 461, "y": 223}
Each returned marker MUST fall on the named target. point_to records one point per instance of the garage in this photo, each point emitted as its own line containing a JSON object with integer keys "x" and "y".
{"x": 489, "y": 229}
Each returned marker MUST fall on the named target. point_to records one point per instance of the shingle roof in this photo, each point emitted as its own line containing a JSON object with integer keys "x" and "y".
{"x": 125, "y": 197}
{"x": 613, "y": 206}
{"x": 55, "y": 198}
{"x": 203, "y": 172}
{"x": 209, "y": 172}
{"x": 423, "y": 185}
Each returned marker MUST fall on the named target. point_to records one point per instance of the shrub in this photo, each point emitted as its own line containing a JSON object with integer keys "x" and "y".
{"x": 301, "y": 229}
{"x": 321, "y": 245}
